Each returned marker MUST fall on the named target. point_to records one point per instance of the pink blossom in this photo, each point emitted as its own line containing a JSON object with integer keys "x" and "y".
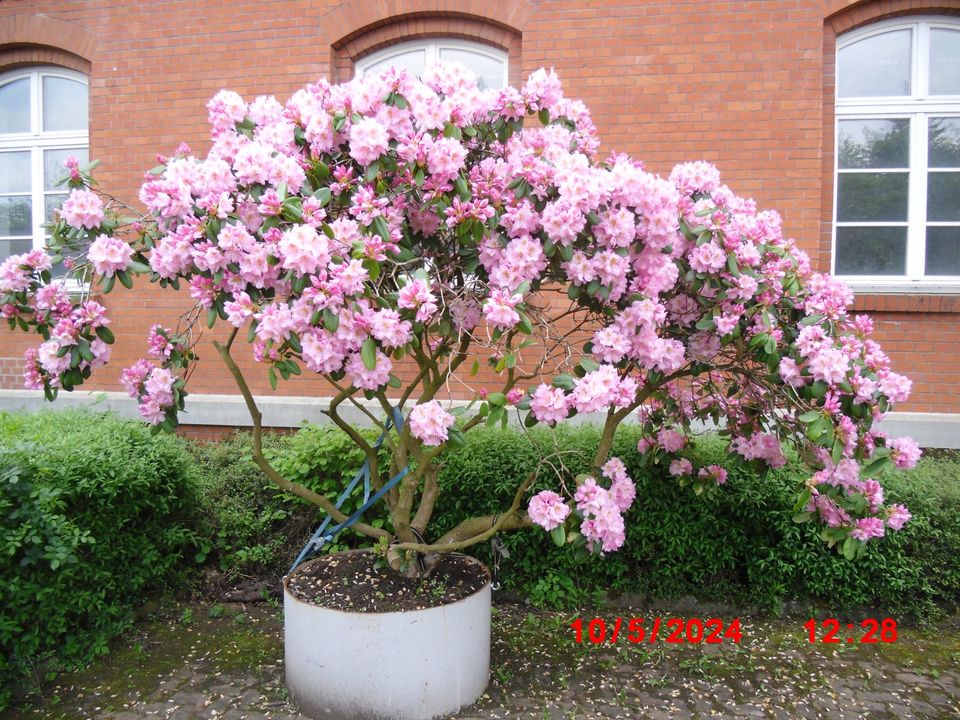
{"x": 549, "y": 404}
{"x": 904, "y": 452}
{"x": 82, "y": 209}
{"x": 303, "y": 250}
{"x": 681, "y": 467}
{"x": 360, "y": 376}
{"x": 109, "y": 255}
{"x": 897, "y": 517}
{"x": 830, "y": 365}
{"x": 713, "y": 472}
{"x": 499, "y": 309}
{"x": 671, "y": 440}
{"x": 416, "y": 295}
{"x": 708, "y": 258}
{"x": 867, "y": 528}
{"x": 368, "y": 141}
{"x": 547, "y": 509}
{"x": 430, "y": 423}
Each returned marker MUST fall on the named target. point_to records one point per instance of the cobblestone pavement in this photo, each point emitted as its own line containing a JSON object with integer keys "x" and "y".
{"x": 226, "y": 663}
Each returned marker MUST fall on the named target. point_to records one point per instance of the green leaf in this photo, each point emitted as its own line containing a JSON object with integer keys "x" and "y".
{"x": 544, "y": 116}
{"x": 105, "y": 334}
{"x": 497, "y": 399}
{"x": 272, "y": 377}
{"x": 564, "y": 381}
{"x": 124, "y": 277}
{"x": 850, "y": 548}
{"x": 475, "y": 368}
{"x": 368, "y": 353}
{"x": 803, "y": 517}
{"x": 211, "y": 317}
{"x": 706, "y": 323}
{"x": 139, "y": 268}
{"x": 810, "y": 416}
{"x": 559, "y": 536}
{"x": 456, "y": 437}
{"x": 462, "y": 189}
{"x": 373, "y": 169}
{"x": 877, "y": 466}
{"x": 323, "y": 195}
{"x": 331, "y": 320}
{"x": 381, "y": 228}
{"x": 589, "y": 364}
{"x": 811, "y": 320}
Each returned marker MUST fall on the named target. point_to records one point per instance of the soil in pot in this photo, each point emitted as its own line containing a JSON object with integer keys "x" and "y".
{"x": 363, "y": 582}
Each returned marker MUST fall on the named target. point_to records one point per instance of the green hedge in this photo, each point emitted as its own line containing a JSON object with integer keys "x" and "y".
{"x": 737, "y": 544}
{"x": 95, "y": 518}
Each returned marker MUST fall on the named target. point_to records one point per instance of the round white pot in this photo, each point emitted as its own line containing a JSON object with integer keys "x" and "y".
{"x": 413, "y": 665}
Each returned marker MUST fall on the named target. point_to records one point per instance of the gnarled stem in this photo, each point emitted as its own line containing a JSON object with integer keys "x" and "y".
{"x": 264, "y": 464}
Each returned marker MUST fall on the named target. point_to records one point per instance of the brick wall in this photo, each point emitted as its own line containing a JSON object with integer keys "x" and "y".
{"x": 742, "y": 84}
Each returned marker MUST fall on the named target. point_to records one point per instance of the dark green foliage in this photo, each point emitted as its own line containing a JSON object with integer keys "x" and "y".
{"x": 736, "y": 544}
{"x": 94, "y": 520}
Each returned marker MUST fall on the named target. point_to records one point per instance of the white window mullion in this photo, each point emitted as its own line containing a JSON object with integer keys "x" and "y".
{"x": 917, "y": 198}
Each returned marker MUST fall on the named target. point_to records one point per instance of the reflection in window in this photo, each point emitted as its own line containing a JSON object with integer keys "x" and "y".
{"x": 43, "y": 121}
{"x": 897, "y": 209}
{"x": 488, "y": 63}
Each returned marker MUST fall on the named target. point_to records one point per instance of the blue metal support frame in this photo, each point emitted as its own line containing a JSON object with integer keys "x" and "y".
{"x": 322, "y": 535}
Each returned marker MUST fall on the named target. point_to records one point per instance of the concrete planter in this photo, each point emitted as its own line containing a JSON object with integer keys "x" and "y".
{"x": 414, "y": 665}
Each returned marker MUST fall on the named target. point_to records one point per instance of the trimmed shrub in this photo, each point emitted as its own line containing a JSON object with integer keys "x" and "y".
{"x": 95, "y": 516}
{"x": 736, "y": 544}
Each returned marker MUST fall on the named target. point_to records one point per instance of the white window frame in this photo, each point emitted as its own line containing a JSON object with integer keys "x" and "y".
{"x": 432, "y": 48}
{"x": 918, "y": 107}
{"x": 37, "y": 140}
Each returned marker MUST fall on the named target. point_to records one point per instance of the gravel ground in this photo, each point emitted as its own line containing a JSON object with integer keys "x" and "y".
{"x": 226, "y": 662}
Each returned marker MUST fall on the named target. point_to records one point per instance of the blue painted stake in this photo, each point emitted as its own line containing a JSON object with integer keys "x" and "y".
{"x": 322, "y": 535}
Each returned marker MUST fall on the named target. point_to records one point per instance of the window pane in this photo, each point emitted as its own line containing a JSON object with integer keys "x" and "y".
{"x": 871, "y": 197}
{"x": 874, "y": 144}
{"x": 871, "y": 251}
{"x": 414, "y": 61}
{"x": 488, "y": 70}
{"x": 944, "y": 62}
{"x": 943, "y": 196}
{"x": 15, "y": 107}
{"x": 943, "y": 251}
{"x": 50, "y": 203}
{"x": 64, "y": 104}
{"x": 14, "y": 247}
{"x": 15, "y": 216}
{"x": 944, "y": 142}
{"x": 876, "y": 66}
{"x": 15, "y": 172}
{"x": 53, "y": 168}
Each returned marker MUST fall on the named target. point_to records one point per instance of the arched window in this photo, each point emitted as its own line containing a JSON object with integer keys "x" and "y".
{"x": 897, "y": 201}
{"x": 43, "y": 121}
{"x": 488, "y": 63}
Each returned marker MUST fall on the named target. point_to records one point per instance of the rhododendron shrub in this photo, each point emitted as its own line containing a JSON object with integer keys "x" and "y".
{"x": 422, "y": 222}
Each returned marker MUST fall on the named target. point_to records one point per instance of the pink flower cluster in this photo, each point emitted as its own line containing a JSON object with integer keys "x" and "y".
{"x": 548, "y": 510}
{"x": 603, "y": 509}
{"x": 152, "y": 387}
{"x": 82, "y": 209}
{"x": 430, "y": 423}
